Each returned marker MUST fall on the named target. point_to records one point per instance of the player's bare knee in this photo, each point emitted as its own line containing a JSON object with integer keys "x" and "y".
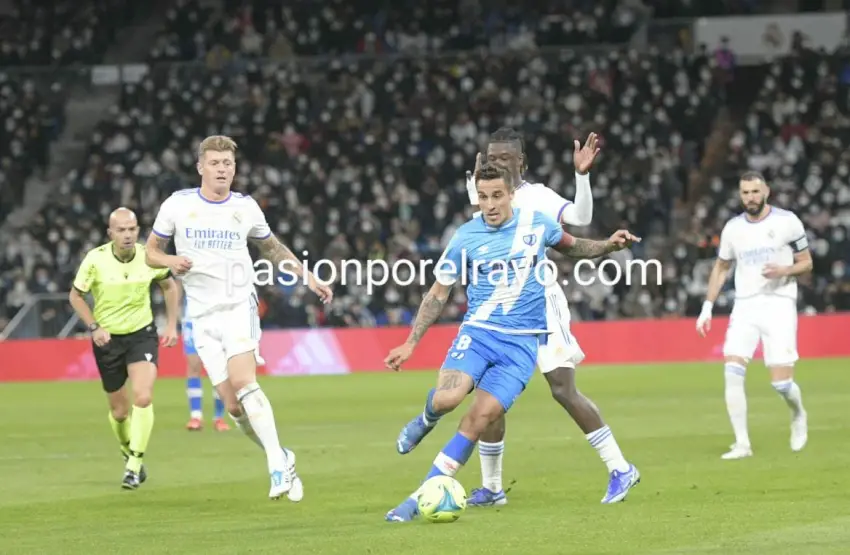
{"x": 120, "y": 413}
{"x": 781, "y": 373}
{"x": 142, "y": 398}
{"x": 562, "y": 386}
{"x": 446, "y": 400}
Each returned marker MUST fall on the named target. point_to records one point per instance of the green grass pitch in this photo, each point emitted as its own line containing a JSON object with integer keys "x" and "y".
{"x": 206, "y": 492}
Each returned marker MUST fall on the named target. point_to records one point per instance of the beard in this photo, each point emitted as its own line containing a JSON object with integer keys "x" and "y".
{"x": 755, "y": 210}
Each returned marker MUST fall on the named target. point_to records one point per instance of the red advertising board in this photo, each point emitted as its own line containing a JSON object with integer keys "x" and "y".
{"x": 342, "y": 351}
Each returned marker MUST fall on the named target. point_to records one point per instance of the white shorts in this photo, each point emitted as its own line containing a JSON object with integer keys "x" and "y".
{"x": 561, "y": 350}
{"x": 224, "y": 333}
{"x": 771, "y": 320}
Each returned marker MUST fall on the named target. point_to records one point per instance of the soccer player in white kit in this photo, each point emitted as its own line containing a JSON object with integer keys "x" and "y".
{"x": 556, "y": 360}
{"x": 211, "y": 227}
{"x": 770, "y": 249}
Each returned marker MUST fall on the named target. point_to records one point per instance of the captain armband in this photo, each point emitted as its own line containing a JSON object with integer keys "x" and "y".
{"x": 799, "y": 245}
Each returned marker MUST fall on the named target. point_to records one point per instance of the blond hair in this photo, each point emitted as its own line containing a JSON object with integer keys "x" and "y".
{"x": 217, "y": 143}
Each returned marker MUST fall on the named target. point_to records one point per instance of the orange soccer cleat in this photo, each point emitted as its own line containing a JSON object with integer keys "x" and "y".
{"x": 195, "y": 425}
{"x": 221, "y": 425}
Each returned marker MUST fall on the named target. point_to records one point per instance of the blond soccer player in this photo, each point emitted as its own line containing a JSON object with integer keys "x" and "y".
{"x": 211, "y": 227}
{"x": 770, "y": 250}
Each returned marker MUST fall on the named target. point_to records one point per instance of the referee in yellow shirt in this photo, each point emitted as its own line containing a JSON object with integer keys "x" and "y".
{"x": 124, "y": 335}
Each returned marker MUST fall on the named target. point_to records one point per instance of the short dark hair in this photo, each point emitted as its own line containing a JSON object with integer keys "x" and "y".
{"x": 488, "y": 172}
{"x": 510, "y": 135}
{"x": 753, "y": 175}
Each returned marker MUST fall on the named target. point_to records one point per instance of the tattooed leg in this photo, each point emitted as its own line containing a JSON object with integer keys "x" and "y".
{"x": 452, "y": 388}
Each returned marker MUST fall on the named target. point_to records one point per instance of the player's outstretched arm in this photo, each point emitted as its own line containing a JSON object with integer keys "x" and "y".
{"x": 580, "y": 211}
{"x": 277, "y": 253}
{"x": 429, "y": 312}
{"x": 577, "y": 247}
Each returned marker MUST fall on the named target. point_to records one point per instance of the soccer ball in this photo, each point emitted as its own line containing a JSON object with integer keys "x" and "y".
{"x": 441, "y": 499}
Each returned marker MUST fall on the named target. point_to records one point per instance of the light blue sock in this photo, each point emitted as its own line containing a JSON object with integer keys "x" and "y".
{"x": 219, "y": 406}
{"x": 195, "y": 392}
{"x": 453, "y": 456}
{"x": 429, "y": 415}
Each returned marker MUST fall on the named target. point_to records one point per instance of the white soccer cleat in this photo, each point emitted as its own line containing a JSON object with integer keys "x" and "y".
{"x": 799, "y": 431}
{"x": 296, "y": 492}
{"x": 737, "y": 452}
{"x": 281, "y": 483}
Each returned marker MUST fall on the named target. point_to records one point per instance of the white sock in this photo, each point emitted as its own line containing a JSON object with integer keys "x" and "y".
{"x": 244, "y": 424}
{"x": 259, "y": 411}
{"x": 491, "y": 455}
{"x": 603, "y": 441}
{"x": 736, "y": 401}
{"x": 790, "y": 391}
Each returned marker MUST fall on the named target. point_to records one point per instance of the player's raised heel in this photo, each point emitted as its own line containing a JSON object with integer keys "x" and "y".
{"x": 483, "y": 497}
{"x": 737, "y": 452}
{"x": 620, "y": 484}
{"x": 405, "y": 512}
{"x": 296, "y": 492}
{"x": 131, "y": 480}
{"x": 412, "y": 434}
{"x": 799, "y": 431}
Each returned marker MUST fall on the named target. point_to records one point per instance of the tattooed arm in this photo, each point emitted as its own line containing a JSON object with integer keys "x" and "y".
{"x": 429, "y": 311}
{"x": 281, "y": 257}
{"x": 155, "y": 255}
{"x": 576, "y": 247}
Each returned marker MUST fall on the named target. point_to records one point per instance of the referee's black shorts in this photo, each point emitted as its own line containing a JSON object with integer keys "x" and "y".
{"x": 122, "y": 350}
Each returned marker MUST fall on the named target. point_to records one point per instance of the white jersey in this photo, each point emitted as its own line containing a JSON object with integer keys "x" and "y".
{"x": 752, "y": 245}
{"x": 214, "y": 236}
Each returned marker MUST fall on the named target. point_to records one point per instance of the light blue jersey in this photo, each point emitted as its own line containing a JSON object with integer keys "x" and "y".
{"x": 505, "y": 270}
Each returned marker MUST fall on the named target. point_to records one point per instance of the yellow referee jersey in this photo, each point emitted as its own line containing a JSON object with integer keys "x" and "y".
{"x": 121, "y": 290}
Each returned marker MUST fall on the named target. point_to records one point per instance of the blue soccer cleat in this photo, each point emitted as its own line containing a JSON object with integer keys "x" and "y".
{"x": 405, "y": 512}
{"x": 620, "y": 484}
{"x": 412, "y": 434}
{"x": 483, "y": 497}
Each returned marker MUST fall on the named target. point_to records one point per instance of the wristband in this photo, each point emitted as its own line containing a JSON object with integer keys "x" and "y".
{"x": 707, "y": 306}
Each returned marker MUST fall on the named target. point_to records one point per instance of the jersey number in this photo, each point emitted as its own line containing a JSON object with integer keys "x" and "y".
{"x": 462, "y": 344}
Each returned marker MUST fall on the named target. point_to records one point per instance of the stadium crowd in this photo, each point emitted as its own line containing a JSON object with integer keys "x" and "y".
{"x": 366, "y": 159}
{"x": 35, "y": 40}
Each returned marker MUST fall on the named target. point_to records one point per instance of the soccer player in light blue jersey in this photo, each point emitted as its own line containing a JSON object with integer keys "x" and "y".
{"x": 501, "y": 257}
{"x": 194, "y": 386}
